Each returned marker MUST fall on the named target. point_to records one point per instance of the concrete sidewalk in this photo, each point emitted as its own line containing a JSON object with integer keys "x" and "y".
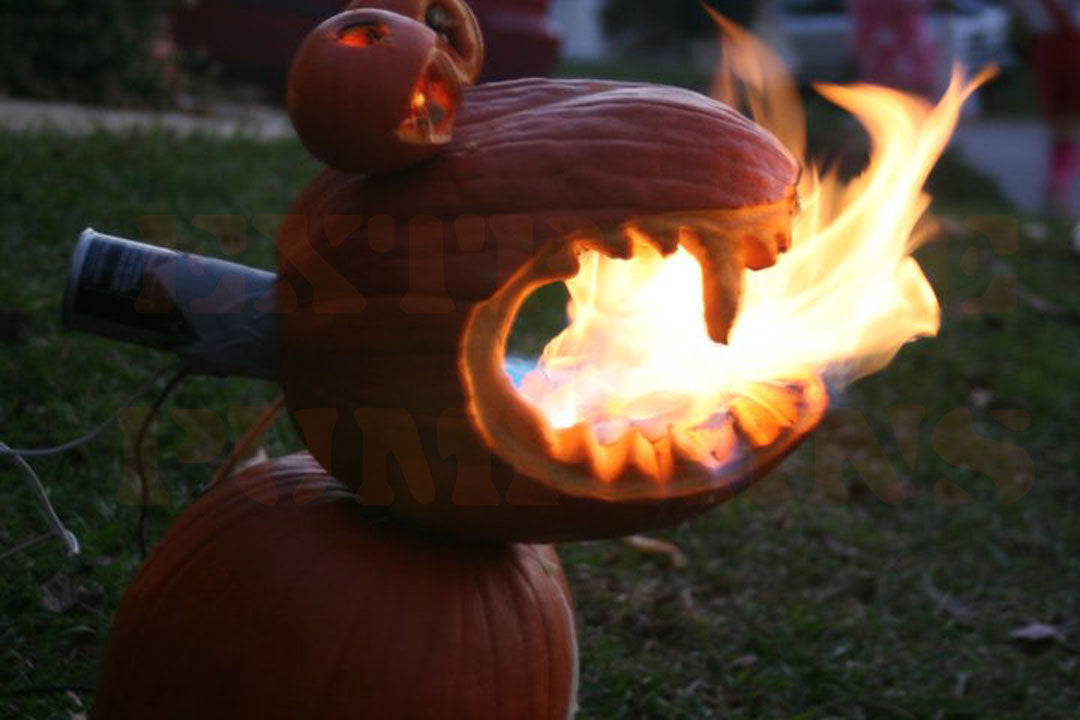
{"x": 221, "y": 120}
{"x": 1012, "y": 152}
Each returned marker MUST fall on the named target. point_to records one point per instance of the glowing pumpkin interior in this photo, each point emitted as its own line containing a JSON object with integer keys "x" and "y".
{"x": 634, "y": 401}
{"x": 432, "y": 106}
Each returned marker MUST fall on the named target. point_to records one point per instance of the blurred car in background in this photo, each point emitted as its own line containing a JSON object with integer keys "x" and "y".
{"x": 820, "y": 38}
{"x": 255, "y": 39}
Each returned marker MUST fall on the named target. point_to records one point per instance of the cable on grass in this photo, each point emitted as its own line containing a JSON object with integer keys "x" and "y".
{"x": 19, "y": 455}
{"x": 55, "y": 523}
{"x": 140, "y": 436}
{"x": 93, "y": 434}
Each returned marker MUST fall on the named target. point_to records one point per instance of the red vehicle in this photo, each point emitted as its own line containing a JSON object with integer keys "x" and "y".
{"x": 256, "y": 39}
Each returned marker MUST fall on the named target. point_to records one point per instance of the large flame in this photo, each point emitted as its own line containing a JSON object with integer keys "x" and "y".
{"x": 837, "y": 307}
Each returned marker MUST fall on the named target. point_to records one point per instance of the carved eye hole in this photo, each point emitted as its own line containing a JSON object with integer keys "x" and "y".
{"x": 365, "y": 34}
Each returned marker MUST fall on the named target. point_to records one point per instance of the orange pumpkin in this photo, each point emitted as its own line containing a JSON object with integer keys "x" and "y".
{"x": 373, "y": 91}
{"x": 276, "y": 596}
{"x": 398, "y": 294}
{"x": 452, "y": 19}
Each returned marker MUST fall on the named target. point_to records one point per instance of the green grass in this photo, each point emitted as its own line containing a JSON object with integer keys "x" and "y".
{"x": 667, "y": 72}
{"x": 868, "y": 577}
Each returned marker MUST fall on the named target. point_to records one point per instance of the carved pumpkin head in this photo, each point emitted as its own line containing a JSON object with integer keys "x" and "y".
{"x": 373, "y": 91}
{"x": 453, "y": 20}
{"x": 398, "y": 294}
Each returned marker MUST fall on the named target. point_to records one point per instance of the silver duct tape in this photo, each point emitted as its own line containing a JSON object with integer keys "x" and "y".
{"x": 218, "y": 316}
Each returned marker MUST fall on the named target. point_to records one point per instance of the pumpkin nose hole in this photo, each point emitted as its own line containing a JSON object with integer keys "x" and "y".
{"x": 364, "y": 34}
{"x": 432, "y": 105}
{"x": 439, "y": 19}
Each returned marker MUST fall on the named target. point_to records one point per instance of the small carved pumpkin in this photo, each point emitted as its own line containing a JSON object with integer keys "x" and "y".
{"x": 276, "y": 595}
{"x": 398, "y": 293}
{"x": 373, "y": 91}
{"x": 451, "y": 19}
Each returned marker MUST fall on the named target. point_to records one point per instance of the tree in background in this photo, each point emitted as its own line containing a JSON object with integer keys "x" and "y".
{"x": 95, "y": 51}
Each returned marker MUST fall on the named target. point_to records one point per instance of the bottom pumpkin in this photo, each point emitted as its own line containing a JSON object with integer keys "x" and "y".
{"x": 276, "y": 595}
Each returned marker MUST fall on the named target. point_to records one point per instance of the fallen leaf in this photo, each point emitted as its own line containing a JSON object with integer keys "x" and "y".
{"x": 954, "y": 607}
{"x": 256, "y": 458}
{"x": 744, "y": 661}
{"x": 64, "y": 592}
{"x": 838, "y": 548}
{"x": 959, "y": 611}
{"x": 1037, "y": 633}
{"x": 656, "y": 546}
{"x": 981, "y": 398}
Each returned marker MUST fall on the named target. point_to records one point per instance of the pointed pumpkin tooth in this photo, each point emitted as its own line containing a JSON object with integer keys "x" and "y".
{"x": 756, "y": 421}
{"x": 616, "y": 244}
{"x": 722, "y": 279}
{"x": 659, "y": 231}
{"x": 561, "y": 263}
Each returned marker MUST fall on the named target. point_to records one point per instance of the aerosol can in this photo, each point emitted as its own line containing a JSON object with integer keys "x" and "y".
{"x": 218, "y": 316}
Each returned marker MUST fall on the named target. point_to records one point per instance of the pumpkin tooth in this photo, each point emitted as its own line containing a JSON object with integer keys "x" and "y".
{"x": 612, "y": 244}
{"x": 660, "y": 231}
{"x": 722, "y": 279}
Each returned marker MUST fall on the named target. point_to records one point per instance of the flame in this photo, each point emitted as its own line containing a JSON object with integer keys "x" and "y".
{"x": 637, "y": 355}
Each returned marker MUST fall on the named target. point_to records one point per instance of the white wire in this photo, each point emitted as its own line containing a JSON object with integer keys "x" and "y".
{"x": 56, "y": 525}
{"x": 100, "y": 428}
{"x": 66, "y": 536}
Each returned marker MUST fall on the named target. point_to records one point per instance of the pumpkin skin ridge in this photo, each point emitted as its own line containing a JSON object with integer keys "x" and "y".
{"x": 690, "y": 104}
{"x": 154, "y": 600}
{"x": 197, "y": 553}
{"x": 462, "y": 146}
{"x": 498, "y": 100}
{"x": 479, "y": 583}
{"x": 608, "y": 100}
{"x": 347, "y": 641}
{"x": 546, "y": 637}
{"x": 501, "y": 563}
{"x": 527, "y": 645}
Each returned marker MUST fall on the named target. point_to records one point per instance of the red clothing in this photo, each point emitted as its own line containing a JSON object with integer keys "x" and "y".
{"x": 894, "y": 43}
{"x": 1055, "y": 58}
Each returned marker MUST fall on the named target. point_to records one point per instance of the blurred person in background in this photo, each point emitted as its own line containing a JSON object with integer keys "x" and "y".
{"x": 1054, "y": 28}
{"x": 894, "y": 44}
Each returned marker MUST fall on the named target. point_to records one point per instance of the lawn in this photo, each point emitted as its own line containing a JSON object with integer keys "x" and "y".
{"x": 881, "y": 572}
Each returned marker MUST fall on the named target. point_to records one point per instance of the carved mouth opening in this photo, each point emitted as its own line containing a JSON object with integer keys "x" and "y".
{"x": 633, "y": 400}
{"x": 433, "y": 104}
